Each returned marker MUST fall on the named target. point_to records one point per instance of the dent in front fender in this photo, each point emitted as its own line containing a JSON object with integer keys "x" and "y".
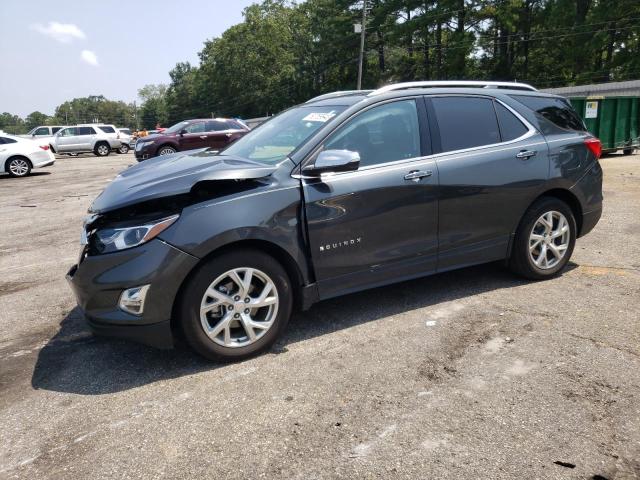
{"x": 271, "y": 213}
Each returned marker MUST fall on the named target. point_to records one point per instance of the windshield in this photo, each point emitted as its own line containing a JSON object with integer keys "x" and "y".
{"x": 176, "y": 128}
{"x": 278, "y": 137}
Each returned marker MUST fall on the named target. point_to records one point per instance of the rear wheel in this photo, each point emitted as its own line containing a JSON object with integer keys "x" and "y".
{"x": 544, "y": 240}
{"x": 236, "y": 305}
{"x": 18, "y": 166}
{"x": 628, "y": 151}
{"x": 102, "y": 149}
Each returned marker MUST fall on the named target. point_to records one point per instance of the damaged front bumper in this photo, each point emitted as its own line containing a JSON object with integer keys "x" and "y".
{"x": 98, "y": 282}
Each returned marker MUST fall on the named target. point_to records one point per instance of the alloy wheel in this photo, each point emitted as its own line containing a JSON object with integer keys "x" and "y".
{"x": 19, "y": 167}
{"x": 239, "y": 307}
{"x": 103, "y": 150}
{"x": 166, "y": 151}
{"x": 549, "y": 239}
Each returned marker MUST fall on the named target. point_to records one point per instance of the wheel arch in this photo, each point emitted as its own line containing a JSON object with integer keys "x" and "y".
{"x": 567, "y": 197}
{"x": 272, "y": 249}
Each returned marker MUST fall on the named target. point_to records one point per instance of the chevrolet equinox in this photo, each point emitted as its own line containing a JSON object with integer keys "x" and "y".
{"x": 349, "y": 191}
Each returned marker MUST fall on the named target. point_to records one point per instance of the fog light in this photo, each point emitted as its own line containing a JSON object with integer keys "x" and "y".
{"x": 132, "y": 300}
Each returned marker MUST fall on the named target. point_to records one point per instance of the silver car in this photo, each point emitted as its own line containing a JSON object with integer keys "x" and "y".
{"x": 85, "y": 138}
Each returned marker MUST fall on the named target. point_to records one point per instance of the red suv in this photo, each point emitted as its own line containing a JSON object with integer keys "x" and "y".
{"x": 214, "y": 133}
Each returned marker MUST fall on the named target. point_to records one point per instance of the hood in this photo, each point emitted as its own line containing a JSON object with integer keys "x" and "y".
{"x": 173, "y": 175}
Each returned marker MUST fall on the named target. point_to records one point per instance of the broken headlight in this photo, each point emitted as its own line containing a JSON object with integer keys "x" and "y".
{"x": 107, "y": 240}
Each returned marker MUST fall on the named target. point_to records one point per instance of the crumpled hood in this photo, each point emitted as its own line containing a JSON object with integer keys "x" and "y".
{"x": 173, "y": 175}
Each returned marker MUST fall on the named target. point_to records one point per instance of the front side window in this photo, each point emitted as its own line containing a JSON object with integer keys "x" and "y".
{"x": 41, "y": 131}
{"x": 197, "y": 127}
{"x": 69, "y": 132}
{"x": 275, "y": 139}
{"x": 465, "y": 122}
{"x": 381, "y": 134}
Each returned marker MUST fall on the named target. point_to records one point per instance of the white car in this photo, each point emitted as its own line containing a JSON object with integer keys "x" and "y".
{"x": 126, "y": 138}
{"x": 19, "y": 155}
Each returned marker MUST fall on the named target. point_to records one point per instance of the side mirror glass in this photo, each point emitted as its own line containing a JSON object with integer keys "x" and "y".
{"x": 334, "y": 161}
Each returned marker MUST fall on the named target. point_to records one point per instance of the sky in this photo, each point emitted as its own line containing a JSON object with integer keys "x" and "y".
{"x": 53, "y": 51}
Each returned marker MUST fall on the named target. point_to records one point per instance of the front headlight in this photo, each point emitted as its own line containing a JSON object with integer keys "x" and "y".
{"x": 144, "y": 144}
{"x": 109, "y": 240}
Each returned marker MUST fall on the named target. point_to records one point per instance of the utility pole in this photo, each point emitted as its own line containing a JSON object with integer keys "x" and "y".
{"x": 362, "y": 33}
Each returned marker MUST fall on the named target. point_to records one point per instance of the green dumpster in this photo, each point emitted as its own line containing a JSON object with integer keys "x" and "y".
{"x": 614, "y": 120}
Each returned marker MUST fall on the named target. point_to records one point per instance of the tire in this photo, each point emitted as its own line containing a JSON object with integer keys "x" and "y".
{"x": 123, "y": 149}
{"x": 166, "y": 150}
{"x": 234, "y": 343}
{"x": 53, "y": 150}
{"x": 545, "y": 246}
{"x": 102, "y": 149}
{"x": 18, "y": 167}
{"x": 627, "y": 151}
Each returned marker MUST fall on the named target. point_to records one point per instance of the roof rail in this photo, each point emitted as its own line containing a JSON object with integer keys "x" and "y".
{"x": 452, "y": 83}
{"x": 341, "y": 93}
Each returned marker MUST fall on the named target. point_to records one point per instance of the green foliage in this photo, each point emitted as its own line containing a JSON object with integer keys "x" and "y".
{"x": 285, "y": 52}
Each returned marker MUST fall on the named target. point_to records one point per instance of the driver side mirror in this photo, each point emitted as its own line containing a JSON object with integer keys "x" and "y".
{"x": 334, "y": 161}
{"x": 183, "y": 131}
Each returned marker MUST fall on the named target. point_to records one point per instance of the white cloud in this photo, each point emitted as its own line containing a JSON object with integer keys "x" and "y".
{"x": 62, "y": 32}
{"x": 89, "y": 57}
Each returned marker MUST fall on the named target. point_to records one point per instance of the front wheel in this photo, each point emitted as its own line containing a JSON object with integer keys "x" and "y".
{"x": 544, "y": 240}
{"x": 236, "y": 305}
{"x": 124, "y": 148}
{"x": 627, "y": 151}
{"x": 166, "y": 150}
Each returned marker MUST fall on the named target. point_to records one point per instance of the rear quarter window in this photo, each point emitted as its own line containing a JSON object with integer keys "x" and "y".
{"x": 556, "y": 110}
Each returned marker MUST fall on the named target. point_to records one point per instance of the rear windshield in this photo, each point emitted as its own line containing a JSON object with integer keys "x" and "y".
{"x": 557, "y": 111}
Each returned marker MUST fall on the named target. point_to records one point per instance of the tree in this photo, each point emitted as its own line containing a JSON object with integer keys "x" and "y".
{"x": 36, "y": 118}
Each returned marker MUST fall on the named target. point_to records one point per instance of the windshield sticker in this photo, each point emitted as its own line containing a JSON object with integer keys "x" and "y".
{"x": 319, "y": 117}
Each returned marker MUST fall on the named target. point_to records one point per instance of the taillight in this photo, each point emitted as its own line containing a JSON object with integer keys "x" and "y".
{"x": 594, "y": 144}
{"x": 44, "y": 147}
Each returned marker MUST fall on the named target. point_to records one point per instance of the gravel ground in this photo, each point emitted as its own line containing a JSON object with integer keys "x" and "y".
{"x": 468, "y": 374}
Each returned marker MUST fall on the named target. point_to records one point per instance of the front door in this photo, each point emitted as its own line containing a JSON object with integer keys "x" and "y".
{"x": 492, "y": 164}
{"x": 193, "y": 137}
{"x": 378, "y": 224}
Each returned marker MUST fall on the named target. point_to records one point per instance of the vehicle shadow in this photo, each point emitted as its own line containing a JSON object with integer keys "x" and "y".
{"x": 74, "y": 361}
{"x": 6, "y": 176}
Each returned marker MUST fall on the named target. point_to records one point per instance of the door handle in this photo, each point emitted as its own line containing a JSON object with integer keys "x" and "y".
{"x": 416, "y": 175}
{"x": 203, "y": 137}
{"x": 525, "y": 154}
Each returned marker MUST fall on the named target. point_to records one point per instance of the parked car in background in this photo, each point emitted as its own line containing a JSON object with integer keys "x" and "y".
{"x": 345, "y": 192}
{"x": 214, "y": 133}
{"x": 125, "y": 137}
{"x": 42, "y": 132}
{"x": 18, "y": 155}
{"x": 86, "y": 138}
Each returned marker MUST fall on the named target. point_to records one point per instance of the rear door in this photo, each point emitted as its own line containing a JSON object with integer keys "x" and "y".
{"x": 86, "y": 138}
{"x": 377, "y": 224}
{"x": 492, "y": 163}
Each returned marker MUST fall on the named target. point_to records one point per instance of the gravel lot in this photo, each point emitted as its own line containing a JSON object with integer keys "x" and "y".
{"x": 468, "y": 374}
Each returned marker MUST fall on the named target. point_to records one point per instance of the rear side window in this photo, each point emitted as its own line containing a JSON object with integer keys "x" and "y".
{"x": 106, "y": 129}
{"x": 55, "y": 130}
{"x": 86, "y": 131}
{"x": 465, "y": 122}
{"x": 7, "y": 140}
{"x": 215, "y": 126}
{"x": 510, "y": 127}
{"x": 556, "y": 110}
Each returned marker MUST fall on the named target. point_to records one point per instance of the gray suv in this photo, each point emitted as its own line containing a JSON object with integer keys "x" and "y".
{"x": 99, "y": 139}
{"x": 349, "y": 191}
